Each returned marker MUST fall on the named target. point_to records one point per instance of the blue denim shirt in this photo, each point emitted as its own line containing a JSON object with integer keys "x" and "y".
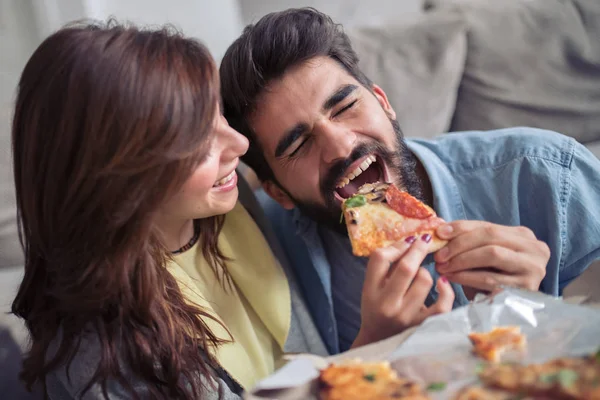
{"x": 520, "y": 176}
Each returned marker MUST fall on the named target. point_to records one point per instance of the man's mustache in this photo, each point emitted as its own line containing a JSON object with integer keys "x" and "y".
{"x": 338, "y": 169}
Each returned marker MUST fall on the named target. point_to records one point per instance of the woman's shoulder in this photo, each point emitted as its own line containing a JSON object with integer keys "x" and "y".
{"x": 71, "y": 380}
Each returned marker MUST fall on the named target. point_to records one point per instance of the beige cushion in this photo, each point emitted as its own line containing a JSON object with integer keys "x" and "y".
{"x": 419, "y": 64}
{"x": 530, "y": 62}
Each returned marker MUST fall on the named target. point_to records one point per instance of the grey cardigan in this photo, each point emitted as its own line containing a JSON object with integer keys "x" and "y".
{"x": 303, "y": 336}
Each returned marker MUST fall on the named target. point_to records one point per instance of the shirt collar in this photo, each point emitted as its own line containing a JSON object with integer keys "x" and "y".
{"x": 447, "y": 201}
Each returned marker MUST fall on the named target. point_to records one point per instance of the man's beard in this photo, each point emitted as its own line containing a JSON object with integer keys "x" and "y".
{"x": 401, "y": 163}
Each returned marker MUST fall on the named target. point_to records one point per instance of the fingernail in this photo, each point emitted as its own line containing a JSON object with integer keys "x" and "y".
{"x": 410, "y": 239}
{"x": 443, "y": 279}
{"x": 445, "y": 229}
{"x": 443, "y": 254}
{"x": 426, "y": 238}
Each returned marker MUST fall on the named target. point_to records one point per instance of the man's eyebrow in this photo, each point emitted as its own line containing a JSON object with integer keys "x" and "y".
{"x": 289, "y": 138}
{"x": 338, "y": 96}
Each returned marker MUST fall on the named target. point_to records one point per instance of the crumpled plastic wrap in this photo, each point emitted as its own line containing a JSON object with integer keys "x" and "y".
{"x": 439, "y": 351}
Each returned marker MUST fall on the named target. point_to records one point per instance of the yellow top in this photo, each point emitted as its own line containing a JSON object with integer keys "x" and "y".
{"x": 256, "y": 309}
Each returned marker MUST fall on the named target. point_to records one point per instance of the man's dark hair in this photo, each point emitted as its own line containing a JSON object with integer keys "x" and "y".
{"x": 266, "y": 51}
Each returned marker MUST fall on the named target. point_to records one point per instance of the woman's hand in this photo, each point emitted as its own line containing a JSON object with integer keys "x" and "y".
{"x": 395, "y": 290}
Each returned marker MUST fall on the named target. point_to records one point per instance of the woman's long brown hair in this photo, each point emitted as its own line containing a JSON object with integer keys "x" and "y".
{"x": 109, "y": 122}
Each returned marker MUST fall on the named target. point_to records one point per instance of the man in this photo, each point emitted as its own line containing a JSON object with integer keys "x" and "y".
{"x": 522, "y": 201}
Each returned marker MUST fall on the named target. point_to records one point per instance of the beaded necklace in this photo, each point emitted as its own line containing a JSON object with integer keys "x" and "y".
{"x": 189, "y": 244}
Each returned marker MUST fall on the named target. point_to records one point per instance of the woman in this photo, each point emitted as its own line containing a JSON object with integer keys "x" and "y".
{"x": 136, "y": 285}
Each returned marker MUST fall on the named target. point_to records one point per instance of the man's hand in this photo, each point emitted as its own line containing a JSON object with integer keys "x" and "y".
{"x": 395, "y": 291}
{"x": 483, "y": 255}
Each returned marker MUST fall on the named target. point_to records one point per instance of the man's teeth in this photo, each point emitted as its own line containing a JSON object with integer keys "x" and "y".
{"x": 223, "y": 181}
{"x": 359, "y": 170}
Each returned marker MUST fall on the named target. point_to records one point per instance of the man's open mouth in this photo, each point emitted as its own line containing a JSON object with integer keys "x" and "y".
{"x": 369, "y": 169}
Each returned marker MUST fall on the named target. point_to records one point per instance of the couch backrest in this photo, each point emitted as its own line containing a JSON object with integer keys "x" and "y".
{"x": 347, "y": 12}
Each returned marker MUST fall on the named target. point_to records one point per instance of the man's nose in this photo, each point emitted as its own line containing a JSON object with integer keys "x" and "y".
{"x": 336, "y": 142}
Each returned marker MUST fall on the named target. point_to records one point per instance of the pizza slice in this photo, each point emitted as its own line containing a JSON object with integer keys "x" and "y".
{"x": 484, "y": 393}
{"x": 570, "y": 378}
{"x": 491, "y": 345}
{"x": 380, "y": 214}
{"x": 369, "y": 381}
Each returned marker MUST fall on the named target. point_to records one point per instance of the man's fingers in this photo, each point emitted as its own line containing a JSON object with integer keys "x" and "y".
{"x": 484, "y": 280}
{"x": 379, "y": 264}
{"x": 488, "y": 234}
{"x": 453, "y": 229}
{"x": 503, "y": 260}
{"x": 484, "y": 257}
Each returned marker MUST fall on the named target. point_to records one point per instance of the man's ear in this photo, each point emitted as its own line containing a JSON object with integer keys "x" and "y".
{"x": 277, "y": 194}
{"x": 383, "y": 100}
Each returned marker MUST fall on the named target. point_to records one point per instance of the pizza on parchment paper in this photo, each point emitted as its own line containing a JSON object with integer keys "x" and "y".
{"x": 493, "y": 344}
{"x": 354, "y": 380}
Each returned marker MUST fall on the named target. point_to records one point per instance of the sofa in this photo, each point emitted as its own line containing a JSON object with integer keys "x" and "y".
{"x": 446, "y": 65}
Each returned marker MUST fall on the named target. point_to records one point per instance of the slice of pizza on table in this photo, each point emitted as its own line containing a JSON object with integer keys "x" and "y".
{"x": 493, "y": 344}
{"x": 354, "y": 379}
{"x": 380, "y": 214}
